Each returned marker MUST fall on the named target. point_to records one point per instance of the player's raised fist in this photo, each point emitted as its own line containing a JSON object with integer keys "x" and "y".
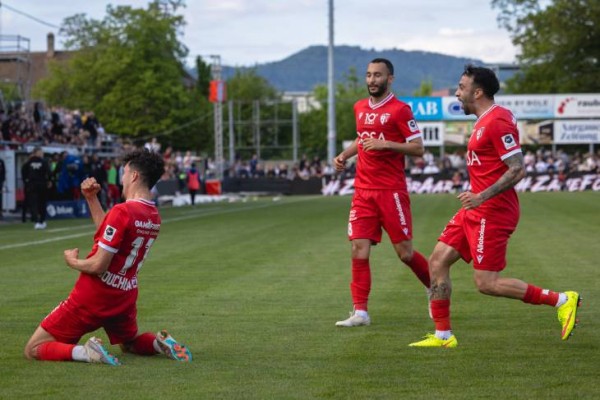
{"x": 89, "y": 187}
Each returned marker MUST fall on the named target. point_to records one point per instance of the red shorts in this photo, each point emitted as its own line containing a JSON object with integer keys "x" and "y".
{"x": 68, "y": 322}
{"x": 481, "y": 237}
{"x": 372, "y": 210}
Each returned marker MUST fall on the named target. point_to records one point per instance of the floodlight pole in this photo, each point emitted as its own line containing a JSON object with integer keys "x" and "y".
{"x": 331, "y": 131}
{"x": 218, "y": 118}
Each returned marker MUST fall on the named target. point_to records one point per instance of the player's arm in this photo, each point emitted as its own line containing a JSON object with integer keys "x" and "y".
{"x": 339, "y": 162}
{"x": 97, "y": 264}
{"x": 413, "y": 148}
{"x": 516, "y": 172}
{"x": 90, "y": 189}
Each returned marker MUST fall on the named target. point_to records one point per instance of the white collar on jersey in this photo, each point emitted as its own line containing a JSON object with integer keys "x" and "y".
{"x": 382, "y": 102}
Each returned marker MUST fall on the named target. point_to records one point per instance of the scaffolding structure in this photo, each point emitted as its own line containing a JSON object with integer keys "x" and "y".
{"x": 15, "y": 64}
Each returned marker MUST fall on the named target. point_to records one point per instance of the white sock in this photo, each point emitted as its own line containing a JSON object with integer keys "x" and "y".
{"x": 79, "y": 354}
{"x": 361, "y": 313}
{"x": 157, "y": 347}
{"x": 444, "y": 335}
{"x": 562, "y": 299}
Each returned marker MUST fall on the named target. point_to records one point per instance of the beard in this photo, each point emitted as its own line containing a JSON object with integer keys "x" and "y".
{"x": 378, "y": 91}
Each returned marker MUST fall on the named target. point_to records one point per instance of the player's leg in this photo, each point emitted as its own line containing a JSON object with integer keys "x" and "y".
{"x": 44, "y": 346}
{"x": 567, "y": 303}
{"x": 363, "y": 230}
{"x": 414, "y": 260}
{"x": 149, "y": 344}
{"x": 124, "y": 331}
{"x": 452, "y": 246}
{"x": 441, "y": 260}
{"x": 396, "y": 219}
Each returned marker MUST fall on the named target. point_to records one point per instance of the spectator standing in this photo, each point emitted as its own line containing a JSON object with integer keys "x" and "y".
{"x": 193, "y": 182}
{"x": 36, "y": 177}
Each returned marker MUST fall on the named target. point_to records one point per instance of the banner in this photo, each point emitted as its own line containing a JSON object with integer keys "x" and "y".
{"x": 577, "y": 106}
{"x": 67, "y": 209}
{"x": 433, "y": 133}
{"x": 425, "y": 108}
{"x": 528, "y": 106}
{"x": 576, "y": 131}
{"x": 443, "y": 183}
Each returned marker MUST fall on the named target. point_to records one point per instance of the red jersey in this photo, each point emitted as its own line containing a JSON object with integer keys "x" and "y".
{"x": 392, "y": 120}
{"x": 494, "y": 138}
{"x": 128, "y": 231}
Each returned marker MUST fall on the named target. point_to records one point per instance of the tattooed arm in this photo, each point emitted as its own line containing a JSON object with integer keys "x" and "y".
{"x": 515, "y": 172}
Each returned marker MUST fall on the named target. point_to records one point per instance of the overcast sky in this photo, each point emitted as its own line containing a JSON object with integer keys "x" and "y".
{"x": 245, "y": 32}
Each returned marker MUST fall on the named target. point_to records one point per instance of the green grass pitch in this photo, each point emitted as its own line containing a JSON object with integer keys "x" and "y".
{"x": 254, "y": 289}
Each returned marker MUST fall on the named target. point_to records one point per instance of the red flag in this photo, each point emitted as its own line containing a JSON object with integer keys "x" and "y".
{"x": 217, "y": 92}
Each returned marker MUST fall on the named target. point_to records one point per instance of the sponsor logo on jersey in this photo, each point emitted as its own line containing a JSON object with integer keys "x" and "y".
{"x": 400, "y": 212}
{"x": 147, "y": 225}
{"x": 412, "y": 125}
{"x": 472, "y": 158}
{"x": 509, "y": 141}
{"x": 481, "y": 240}
{"x": 109, "y": 233}
{"x": 384, "y": 118}
{"x": 370, "y": 118}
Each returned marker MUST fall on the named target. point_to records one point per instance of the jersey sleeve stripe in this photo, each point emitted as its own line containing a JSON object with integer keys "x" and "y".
{"x": 108, "y": 248}
{"x": 511, "y": 153}
{"x": 413, "y": 137}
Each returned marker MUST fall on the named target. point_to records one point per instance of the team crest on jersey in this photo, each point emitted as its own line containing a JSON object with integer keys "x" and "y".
{"x": 509, "y": 141}
{"x": 412, "y": 125}
{"x": 109, "y": 233}
{"x": 479, "y": 133}
{"x": 384, "y": 118}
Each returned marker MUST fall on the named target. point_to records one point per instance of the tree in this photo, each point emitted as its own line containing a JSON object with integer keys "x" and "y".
{"x": 559, "y": 44}
{"x": 313, "y": 124}
{"x": 425, "y": 89}
{"x": 129, "y": 69}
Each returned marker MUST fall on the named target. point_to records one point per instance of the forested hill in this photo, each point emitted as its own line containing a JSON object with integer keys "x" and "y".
{"x": 307, "y": 68}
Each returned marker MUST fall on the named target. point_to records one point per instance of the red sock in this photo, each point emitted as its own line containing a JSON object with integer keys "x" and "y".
{"x": 143, "y": 344}
{"x": 361, "y": 283}
{"x": 440, "y": 311}
{"x": 420, "y": 267}
{"x": 55, "y": 351}
{"x": 536, "y": 295}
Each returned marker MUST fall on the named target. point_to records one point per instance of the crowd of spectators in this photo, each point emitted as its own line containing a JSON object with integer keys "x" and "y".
{"x": 38, "y": 125}
{"x": 58, "y": 126}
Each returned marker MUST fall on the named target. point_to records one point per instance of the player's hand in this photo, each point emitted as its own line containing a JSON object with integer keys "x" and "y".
{"x": 71, "y": 256}
{"x": 90, "y": 188}
{"x": 339, "y": 163}
{"x": 369, "y": 144}
{"x": 470, "y": 200}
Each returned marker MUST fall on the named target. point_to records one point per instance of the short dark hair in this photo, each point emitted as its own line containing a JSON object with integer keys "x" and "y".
{"x": 385, "y": 61}
{"x": 483, "y": 78}
{"x": 148, "y": 164}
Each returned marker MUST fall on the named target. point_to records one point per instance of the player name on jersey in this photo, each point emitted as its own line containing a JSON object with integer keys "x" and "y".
{"x": 119, "y": 282}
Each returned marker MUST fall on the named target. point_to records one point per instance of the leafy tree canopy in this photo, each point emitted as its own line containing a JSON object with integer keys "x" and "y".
{"x": 127, "y": 68}
{"x": 559, "y": 42}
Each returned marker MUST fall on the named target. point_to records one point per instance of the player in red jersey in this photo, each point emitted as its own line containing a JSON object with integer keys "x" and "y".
{"x": 106, "y": 292}
{"x": 480, "y": 230}
{"x": 386, "y": 132}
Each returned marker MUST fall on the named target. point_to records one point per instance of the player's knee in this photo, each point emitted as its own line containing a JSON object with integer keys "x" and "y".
{"x": 485, "y": 286}
{"x": 30, "y": 352}
{"x": 406, "y": 256}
